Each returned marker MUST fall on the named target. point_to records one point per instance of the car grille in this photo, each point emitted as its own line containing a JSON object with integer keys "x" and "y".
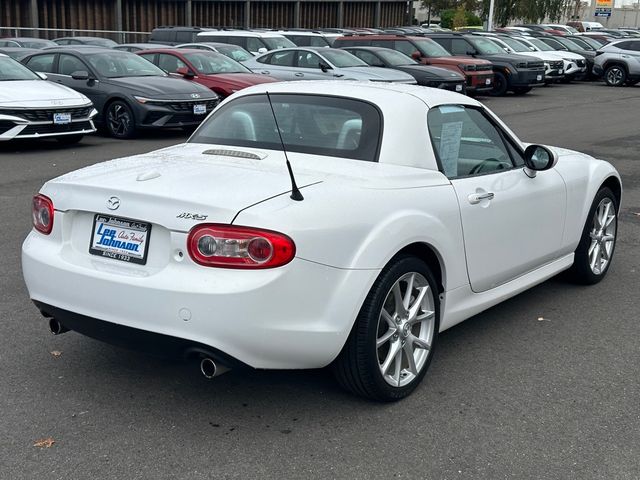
{"x": 535, "y": 64}
{"x": 557, "y": 65}
{"x": 46, "y": 114}
{"x": 581, "y": 63}
{"x": 51, "y": 128}
{"x": 483, "y": 68}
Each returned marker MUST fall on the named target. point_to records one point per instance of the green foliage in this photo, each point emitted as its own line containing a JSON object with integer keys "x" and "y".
{"x": 459, "y": 17}
{"x": 530, "y": 11}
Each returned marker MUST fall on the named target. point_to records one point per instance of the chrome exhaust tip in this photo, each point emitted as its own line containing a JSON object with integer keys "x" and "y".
{"x": 210, "y": 369}
{"x": 56, "y": 327}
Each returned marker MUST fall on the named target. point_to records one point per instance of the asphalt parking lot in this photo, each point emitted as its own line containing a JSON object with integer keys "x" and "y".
{"x": 545, "y": 385}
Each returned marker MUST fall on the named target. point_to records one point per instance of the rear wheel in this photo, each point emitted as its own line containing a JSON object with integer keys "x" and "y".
{"x": 500, "y": 84}
{"x": 69, "y": 139}
{"x": 391, "y": 344}
{"x": 521, "y": 90}
{"x": 597, "y": 244}
{"x": 119, "y": 120}
{"x": 615, "y": 75}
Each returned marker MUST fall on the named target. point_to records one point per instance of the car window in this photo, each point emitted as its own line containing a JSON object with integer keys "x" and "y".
{"x": 9, "y": 43}
{"x": 466, "y": 142}
{"x": 284, "y": 59}
{"x": 367, "y": 57}
{"x": 149, "y": 56}
{"x": 42, "y": 63}
{"x": 254, "y": 44}
{"x": 460, "y": 46}
{"x": 68, "y": 64}
{"x": 211, "y": 63}
{"x": 317, "y": 125}
{"x": 318, "y": 42}
{"x": 184, "y": 36}
{"x": 63, "y": 42}
{"x": 405, "y": 47}
{"x": 170, "y": 63}
{"x": 306, "y": 59}
{"x": 635, "y": 46}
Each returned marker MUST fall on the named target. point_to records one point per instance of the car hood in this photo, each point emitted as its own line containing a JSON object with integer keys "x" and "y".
{"x": 161, "y": 87}
{"x": 375, "y": 73}
{"x": 544, "y": 56}
{"x": 200, "y": 179}
{"x": 39, "y": 93}
{"x": 507, "y": 58}
{"x": 459, "y": 60}
{"x": 239, "y": 80}
{"x": 434, "y": 73}
{"x": 568, "y": 55}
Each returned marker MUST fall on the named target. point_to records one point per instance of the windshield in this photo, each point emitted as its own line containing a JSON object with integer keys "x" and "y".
{"x": 38, "y": 43}
{"x": 277, "y": 42}
{"x": 238, "y": 54}
{"x": 395, "y": 58}
{"x": 594, "y": 42}
{"x": 540, "y": 45}
{"x": 516, "y": 45}
{"x": 312, "y": 124}
{"x": 429, "y": 48}
{"x": 12, "y": 70}
{"x": 210, "y": 63}
{"x": 485, "y": 47}
{"x": 342, "y": 59}
{"x": 577, "y": 43}
{"x": 118, "y": 64}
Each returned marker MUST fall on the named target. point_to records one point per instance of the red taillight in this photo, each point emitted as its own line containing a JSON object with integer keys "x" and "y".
{"x": 42, "y": 214}
{"x": 229, "y": 246}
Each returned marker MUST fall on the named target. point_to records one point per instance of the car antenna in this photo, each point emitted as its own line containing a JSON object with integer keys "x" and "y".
{"x": 295, "y": 192}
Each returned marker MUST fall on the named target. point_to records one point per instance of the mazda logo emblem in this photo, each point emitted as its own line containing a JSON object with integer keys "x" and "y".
{"x": 113, "y": 203}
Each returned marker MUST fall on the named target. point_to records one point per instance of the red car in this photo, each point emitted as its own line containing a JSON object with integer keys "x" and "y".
{"x": 213, "y": 70}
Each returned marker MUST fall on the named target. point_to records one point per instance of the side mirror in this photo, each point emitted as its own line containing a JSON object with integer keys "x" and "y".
{"x": 262, "y": 50}
{"x": 324, "y": 67}
{"x": 80, "y": 75}
{"x": 185, "y": 72}
{"x": 416, "y": 55}
{"x": 42, "y": 75}
{"x": 538, "y": 158}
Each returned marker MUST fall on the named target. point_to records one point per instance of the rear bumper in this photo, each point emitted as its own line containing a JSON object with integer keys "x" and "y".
{"x": 296, "y": 316}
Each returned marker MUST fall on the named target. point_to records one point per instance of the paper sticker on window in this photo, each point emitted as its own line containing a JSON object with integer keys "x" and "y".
{"x": 451, "y": 109}
{"x": 450, "y": 136}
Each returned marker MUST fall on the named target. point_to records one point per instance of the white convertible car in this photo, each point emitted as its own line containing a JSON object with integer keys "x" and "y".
{"x": 32, "y": 108}
{"x": 406, "y": 211}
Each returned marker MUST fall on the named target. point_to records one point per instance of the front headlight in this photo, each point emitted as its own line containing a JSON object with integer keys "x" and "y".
{"x": 142, "y": 99}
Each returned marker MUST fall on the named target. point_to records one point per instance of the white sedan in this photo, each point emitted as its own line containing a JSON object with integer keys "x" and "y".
{"x": 406, "y": 211}
{"x": 32, "y": 108}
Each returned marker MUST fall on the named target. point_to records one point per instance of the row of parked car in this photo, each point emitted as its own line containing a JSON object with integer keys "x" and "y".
{"x": 65, "y": 90}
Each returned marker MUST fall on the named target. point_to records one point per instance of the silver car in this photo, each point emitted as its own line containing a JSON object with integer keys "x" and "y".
{"x": 619, "y": 62}
{"x": 321, "y": 63}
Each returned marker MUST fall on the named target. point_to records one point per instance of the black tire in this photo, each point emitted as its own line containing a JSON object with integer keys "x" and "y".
{"x": 69, "y": 139}
{"x": 500, "y": 84}
{"x": 357, "y": 367}
{"x": 521, "y": 90}
{"x": 581, "y": 271}
{"x": 615, "y": 75}
{"x": 119, "y": 120}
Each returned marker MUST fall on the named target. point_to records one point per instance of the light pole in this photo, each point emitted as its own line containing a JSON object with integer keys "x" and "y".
{"x": 637, "y": 10}
{"x": 490, "y": 19}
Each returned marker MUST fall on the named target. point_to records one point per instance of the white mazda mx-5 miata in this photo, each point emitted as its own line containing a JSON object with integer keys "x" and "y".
{"x": 405, "y": 211}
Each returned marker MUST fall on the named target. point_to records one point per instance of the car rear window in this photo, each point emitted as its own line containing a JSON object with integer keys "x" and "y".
{"x": 316, "y": 124}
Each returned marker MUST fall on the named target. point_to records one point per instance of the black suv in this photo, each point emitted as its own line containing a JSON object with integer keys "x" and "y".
{"x": 175, "y": 35}
{"x": 517, "y": 73}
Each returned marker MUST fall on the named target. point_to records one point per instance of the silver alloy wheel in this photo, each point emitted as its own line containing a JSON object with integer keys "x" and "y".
{"x": 119, "y": 119}
{"x": 405, "y": 329}
{"x": 615, "y": 76}
{"x": 603, "y": 236}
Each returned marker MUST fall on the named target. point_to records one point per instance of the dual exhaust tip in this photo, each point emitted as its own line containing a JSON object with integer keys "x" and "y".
{"x": 208, "y": 367}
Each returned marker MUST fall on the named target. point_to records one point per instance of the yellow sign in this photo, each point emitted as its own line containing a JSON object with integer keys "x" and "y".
{"x": 604, "y": 3}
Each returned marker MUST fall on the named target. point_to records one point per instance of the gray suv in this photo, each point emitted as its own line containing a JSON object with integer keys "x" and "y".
{"x": 619, "y": 63}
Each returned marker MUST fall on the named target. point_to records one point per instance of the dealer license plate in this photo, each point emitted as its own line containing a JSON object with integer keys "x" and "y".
{"x": 487, "y": 81}
{"x": 539, "y": 78}
{"x": 61, "y": 118}
{"x": 458, "y": 88}
{"x": 199, "y": 109}
{"x": 120, "y": 238}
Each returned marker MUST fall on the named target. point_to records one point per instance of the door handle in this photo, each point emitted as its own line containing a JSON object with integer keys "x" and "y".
{"x": 299, "y": 74}
{"x": 265, "y": 72}
{"x": 476, "y": 198}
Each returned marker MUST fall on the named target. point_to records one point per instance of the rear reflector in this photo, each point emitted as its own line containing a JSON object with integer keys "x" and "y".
{"x": 42, "y": 214}
{"x": 229, "y": 246}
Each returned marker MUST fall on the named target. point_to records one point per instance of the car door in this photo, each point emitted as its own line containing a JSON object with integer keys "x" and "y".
{"x": 67, "y": 65}
{"x": 512, "y": 223}
{"x": 279, "y": 64}
{"x": 307, "y": 67}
